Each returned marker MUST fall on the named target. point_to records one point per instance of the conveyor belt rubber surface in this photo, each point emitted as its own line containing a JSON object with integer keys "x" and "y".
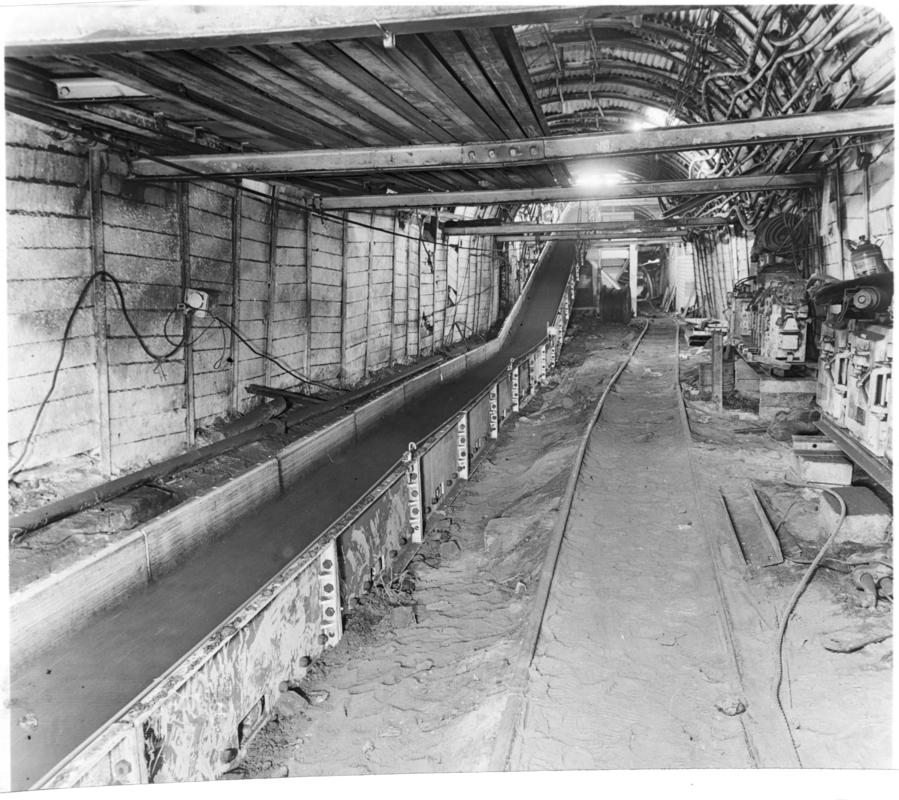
{"x": 88, "y": 676}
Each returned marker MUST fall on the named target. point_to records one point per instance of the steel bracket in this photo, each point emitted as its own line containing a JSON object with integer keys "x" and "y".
{"x": 494, "y": 411}
{"x": 495, "y": 153}
{"x": 414, "y": 491}
{"x": 462, "y": 454}
{"x": 331, "y": 625}
{"x": 516, "y": 388}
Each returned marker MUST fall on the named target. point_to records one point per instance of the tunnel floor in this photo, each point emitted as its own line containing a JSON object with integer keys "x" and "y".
{"x": 639, "y": 666}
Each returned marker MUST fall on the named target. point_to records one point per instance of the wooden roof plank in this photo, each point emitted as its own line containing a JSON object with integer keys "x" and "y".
{"x": 493, "y": 61}
{"x": 327, "y": 53}
{"x": 405, "y": 77}
{"x": 140, "y": 76}
{"x": 470, "y": 71}
{"x": 240, "y": 95}
{"x": 327, "y": 81}
{"x": 297, "y": 95}
{"x": 508, "y": 44}
{"x": 374, "y": 62}
{"x": 415, "y": 50}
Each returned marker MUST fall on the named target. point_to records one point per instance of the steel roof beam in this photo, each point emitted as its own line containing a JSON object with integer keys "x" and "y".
{"x": 601, "y": 228}
{"x": 624, "y": 237}
{"x": 523, "y": 152}
{"x": 708, "y": 186}
{"x": 108, "y": 29}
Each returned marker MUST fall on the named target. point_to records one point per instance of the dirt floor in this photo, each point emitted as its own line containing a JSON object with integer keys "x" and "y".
{"x": 421, "y": 678}
{"x": 839, "y": 705}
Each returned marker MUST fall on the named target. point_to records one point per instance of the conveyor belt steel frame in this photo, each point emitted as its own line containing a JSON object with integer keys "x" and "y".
{"x": 195, "y": 720}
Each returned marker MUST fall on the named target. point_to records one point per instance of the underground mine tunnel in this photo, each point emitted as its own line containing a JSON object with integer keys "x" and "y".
{"x": 447, "y": 390}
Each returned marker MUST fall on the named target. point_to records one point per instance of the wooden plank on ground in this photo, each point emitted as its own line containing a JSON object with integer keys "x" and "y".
{"x": 749, "y": 530}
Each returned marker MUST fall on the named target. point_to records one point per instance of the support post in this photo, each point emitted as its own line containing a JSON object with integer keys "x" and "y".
{"x": 307, "y": 217}
{"x": 408, "y": 303}
{"x": 476, "y": 257}
{"x": 236, "y": 215}
{"x": 633, "y": 277}
{"x": 370, "y": 267}
{"x": 271, "y": 283}
{"x": 341, "y": 372}
{"x": 184, "y": 244}
{"x": 98, "y": 301}
{"x": 392, "y": 293}
{"x": 717, "y": 369}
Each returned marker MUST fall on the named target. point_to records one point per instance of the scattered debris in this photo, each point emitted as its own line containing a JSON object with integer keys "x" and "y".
{"x": 28, "y": 722}
{"x": 731, "y": 706}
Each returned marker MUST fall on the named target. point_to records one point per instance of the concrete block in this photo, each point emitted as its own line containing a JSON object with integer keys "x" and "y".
{"x": 827, "y": 468}
{"x": 867, "y": 516}
{"x": 784, "y": 394}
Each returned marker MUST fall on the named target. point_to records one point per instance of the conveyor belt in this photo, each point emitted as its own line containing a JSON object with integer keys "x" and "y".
{"x": 88, "y": 676}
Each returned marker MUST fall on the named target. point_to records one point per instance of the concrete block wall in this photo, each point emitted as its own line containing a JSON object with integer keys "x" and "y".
{"x": 211, "y": 207}
{"x": 48, "y": 259}
{"x": 289, "y": 321}
{"x": 141, "y": 246}
{"x": 336, "y": 298}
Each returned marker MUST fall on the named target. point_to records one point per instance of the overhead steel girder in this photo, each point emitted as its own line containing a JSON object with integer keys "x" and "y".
{"x": 712, "y": 186}
{"x": 623, "y": 237}
{"x": 108, "y": 29}
{"x": 600, "y": 228}
{"x": 538, "y": 150}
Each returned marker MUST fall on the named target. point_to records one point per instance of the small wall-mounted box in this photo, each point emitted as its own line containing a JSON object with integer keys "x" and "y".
{"x": 200, "y": 301}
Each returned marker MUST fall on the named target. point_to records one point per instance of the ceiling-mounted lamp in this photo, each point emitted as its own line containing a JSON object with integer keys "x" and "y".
{"x": 94, "y": 89}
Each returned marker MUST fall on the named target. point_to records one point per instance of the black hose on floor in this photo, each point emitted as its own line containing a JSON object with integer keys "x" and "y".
{"x": 791, "y": 606}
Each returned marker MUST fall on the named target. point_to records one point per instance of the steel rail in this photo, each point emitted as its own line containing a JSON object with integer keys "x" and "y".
{"x": 505, "y": 739}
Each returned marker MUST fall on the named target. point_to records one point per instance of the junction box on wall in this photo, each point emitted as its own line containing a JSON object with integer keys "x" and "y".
{"x": 199, "y": 301}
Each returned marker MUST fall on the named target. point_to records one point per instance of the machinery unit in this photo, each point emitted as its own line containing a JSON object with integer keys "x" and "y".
{"x": 833, "y": 370}
{"x": 868, "y": 392}
{"x": 855, "y": 358}
{"x": 769, "y": 317}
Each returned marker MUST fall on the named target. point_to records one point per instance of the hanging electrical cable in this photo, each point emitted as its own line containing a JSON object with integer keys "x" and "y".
{"x": 272, "y": 359}
{"x": 66, "y": 336}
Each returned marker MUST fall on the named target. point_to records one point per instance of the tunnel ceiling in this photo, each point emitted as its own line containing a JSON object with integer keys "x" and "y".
{"x": 568, "y": 70}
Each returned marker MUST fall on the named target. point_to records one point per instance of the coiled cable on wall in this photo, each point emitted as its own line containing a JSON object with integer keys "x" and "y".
{"x": 159, "y": 358}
